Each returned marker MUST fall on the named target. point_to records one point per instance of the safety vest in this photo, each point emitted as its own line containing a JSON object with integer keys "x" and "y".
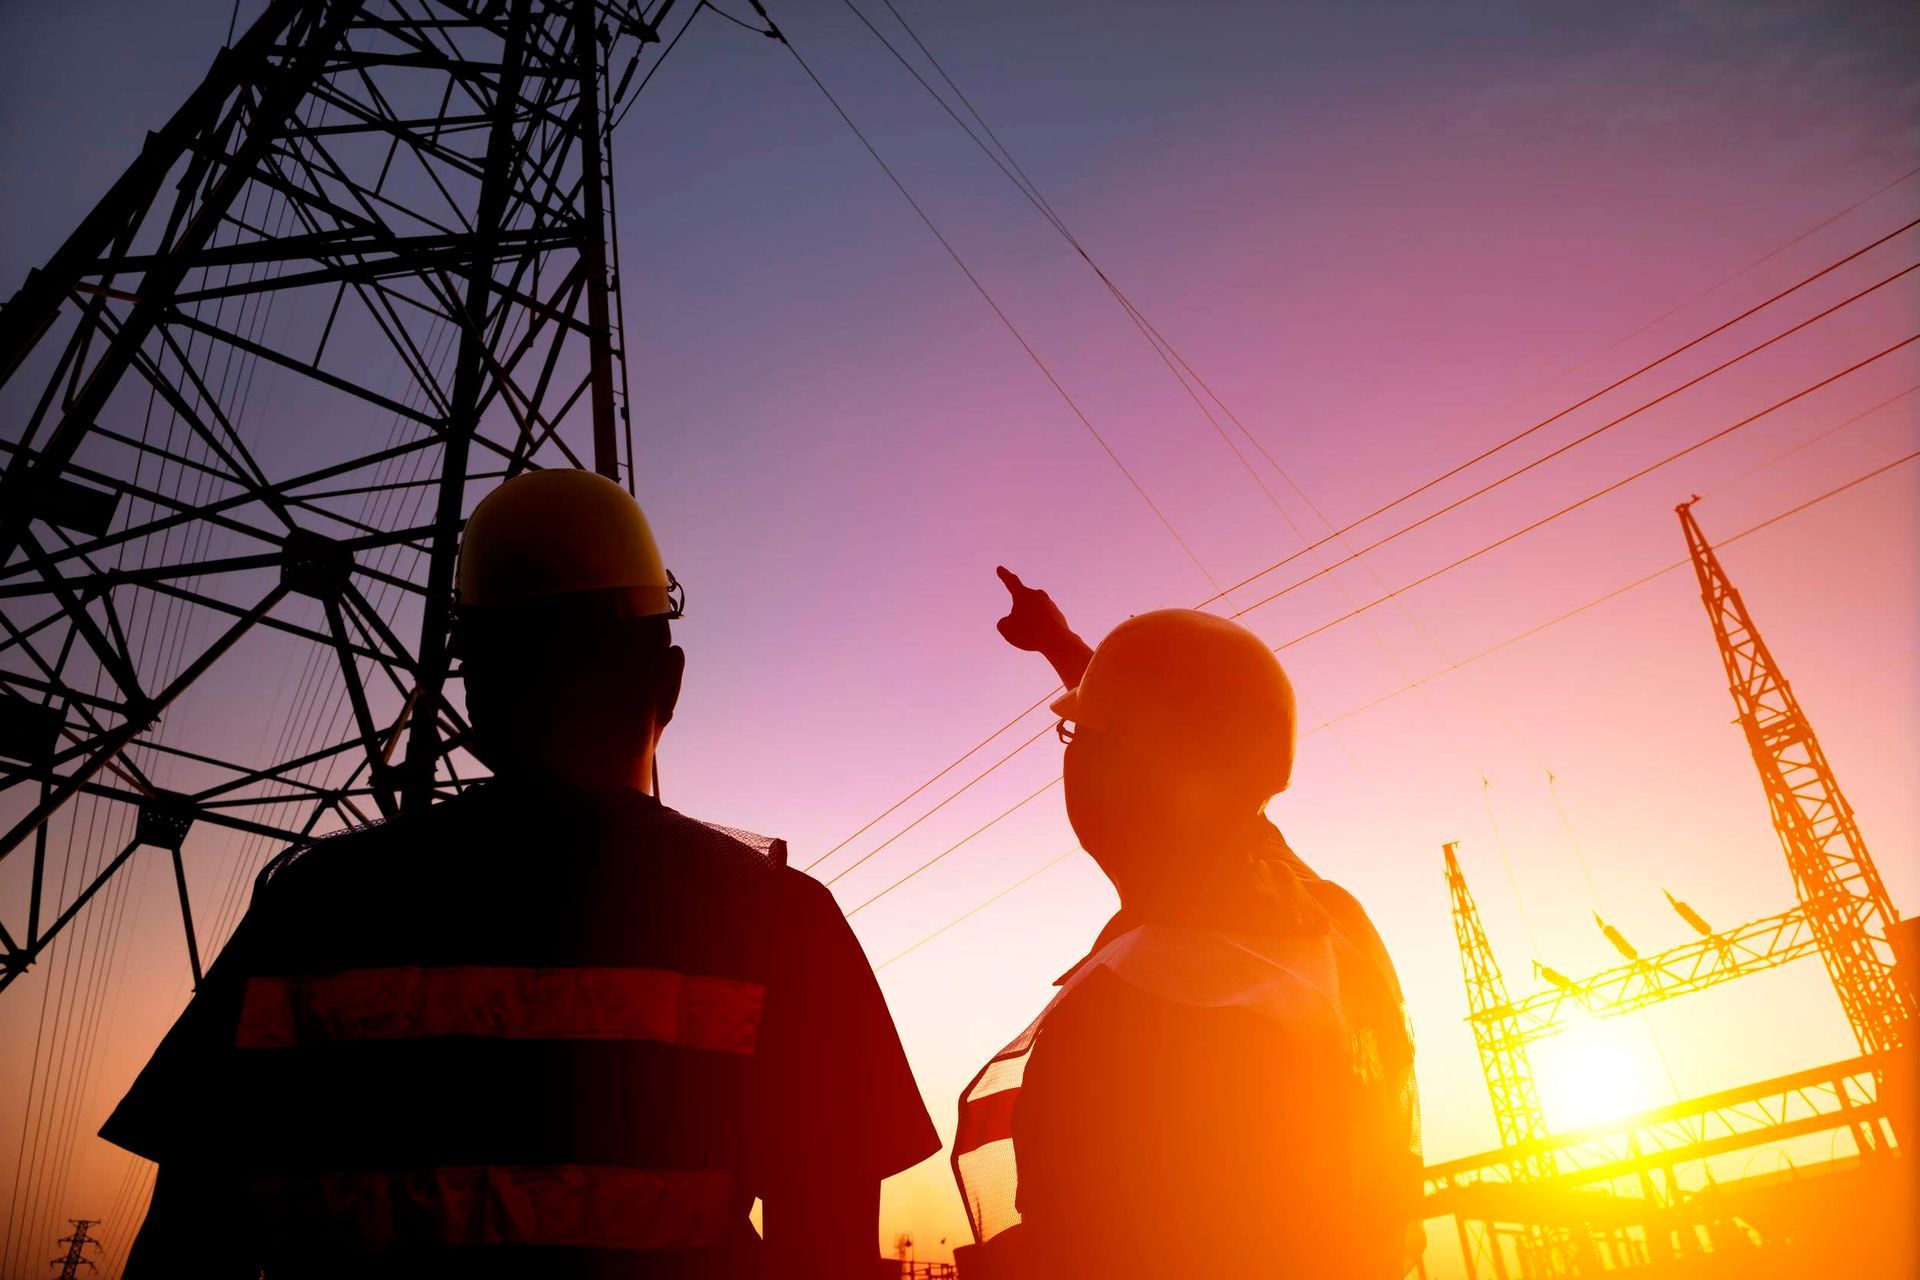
{"x": 527, "y": 1068}
{"x": 1306, "y": 981}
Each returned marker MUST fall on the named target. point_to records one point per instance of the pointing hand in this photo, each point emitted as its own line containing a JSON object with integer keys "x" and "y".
{"x": 1035, "y": 622}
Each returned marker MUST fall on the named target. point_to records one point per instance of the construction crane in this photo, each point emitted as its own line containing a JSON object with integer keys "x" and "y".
{"x": 1843, "y": 915}
{"x": 397, "y": 218}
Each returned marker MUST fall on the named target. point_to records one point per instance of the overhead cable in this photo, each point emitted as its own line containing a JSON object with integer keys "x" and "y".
{"x": 1436, "y": 573}
{"x": 1577, "y": 441}
{"x": 1749, "y": 531}
{"x": 1033, "y": 355}
{"x": 1379, "y": 510}
{"x": 1018, "y": 176}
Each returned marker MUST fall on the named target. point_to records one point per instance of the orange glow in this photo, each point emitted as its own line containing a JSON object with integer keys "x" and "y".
{"x": 1599, "y": 1070}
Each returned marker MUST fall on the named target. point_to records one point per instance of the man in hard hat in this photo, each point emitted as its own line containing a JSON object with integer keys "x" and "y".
{"x": 1224, "y": 1085}
{"x": 548, "y": 1027}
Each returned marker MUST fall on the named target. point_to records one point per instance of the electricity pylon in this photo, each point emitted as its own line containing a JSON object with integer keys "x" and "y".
{"x": 1517, "y": 1113}
{"x": 75, "y": 1257}
{"x": 1845, "y": 904}
{"x": 360, "y": 275}
{"x": 1843, "y": 914}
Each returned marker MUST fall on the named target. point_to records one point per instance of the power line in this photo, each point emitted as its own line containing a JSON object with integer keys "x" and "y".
{"x": 978, "y": 907}
{"x": 661, "y": 60}
{"x": 1614, "y": 385}
{"x": 1600, "y": 493}
{"x": 1429, "y": 577}
{"x": 1590, "y": 435}
{"x": 992, "y": 822}
{"x": 1747, "y": 532}
{"x": 1359, "y": 610}
{"x": 962, "y": 759}
{"x": 1011, "y": 169}
{"x": 1354, "y": 555}
{"x": 1018, "y": 176}
{"x": 964, "y": 788}
{"x": 998, "y": 312}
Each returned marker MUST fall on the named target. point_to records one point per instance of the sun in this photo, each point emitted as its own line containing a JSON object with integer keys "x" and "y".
{"x": 1595, "y": 1071}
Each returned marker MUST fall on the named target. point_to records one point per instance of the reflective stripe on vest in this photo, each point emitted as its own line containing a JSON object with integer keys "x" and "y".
{"x": 563, "y": 1205}
{"x": 719, "y": 1014}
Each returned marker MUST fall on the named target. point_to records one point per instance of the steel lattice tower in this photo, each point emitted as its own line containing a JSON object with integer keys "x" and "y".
{"x": 1497, "y": 1034}
{"x": 1496, "y": 1029}
{"x": 76, "y": 1257}
{"x": 360, "y": 275}
{"x": 1846, "y": 905}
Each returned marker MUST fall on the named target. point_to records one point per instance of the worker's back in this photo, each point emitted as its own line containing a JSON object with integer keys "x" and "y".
{"x": 1210, "y": 1094}
{"x": 509, "y": 1033}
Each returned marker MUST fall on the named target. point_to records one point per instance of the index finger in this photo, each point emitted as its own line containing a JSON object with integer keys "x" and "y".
{"x": 1010, "y": 578}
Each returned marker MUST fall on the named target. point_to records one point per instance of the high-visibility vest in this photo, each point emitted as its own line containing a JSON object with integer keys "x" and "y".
{"x": 493, "y": 1095}
{"x": 1295, "y": 980}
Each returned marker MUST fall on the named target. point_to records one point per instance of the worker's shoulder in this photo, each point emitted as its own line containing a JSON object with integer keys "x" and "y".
{"x": 1344, "y": 910}
{"x": 1354, "y": 928}
{"x": 752, "y": 853}
{"x": 729, "y": 860}
{"x": 363, "y": 848}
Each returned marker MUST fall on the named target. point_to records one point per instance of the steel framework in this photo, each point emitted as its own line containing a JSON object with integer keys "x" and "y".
{"x": 76, "y": 1257}
{"x": 360, "y": 275}
{"x": 1642, "y": 1187}
{"x": 1692, "y": 966}
{"x": 1498, "y": 1033}
{"x": 1843, "y": 915}
{"x": 1846, "y": 905}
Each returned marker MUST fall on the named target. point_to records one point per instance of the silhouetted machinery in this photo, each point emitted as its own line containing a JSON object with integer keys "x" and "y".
{"x": 1650, "y": 1192}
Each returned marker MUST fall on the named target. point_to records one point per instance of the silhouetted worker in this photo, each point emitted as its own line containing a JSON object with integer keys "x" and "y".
{"x": 548, "y": 1027}
{"x": 1224, "y": 1085}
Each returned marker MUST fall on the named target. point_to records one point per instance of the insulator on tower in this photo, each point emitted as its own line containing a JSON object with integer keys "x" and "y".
{"x": 1554, "y": 976}
{"x": 1688, "y": 914}
{"x": 1614, "y": 936}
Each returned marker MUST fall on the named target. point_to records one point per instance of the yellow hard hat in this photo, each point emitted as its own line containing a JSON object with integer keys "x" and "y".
{"x": 1194, "y": 686}
{"x": 561, "y": 532}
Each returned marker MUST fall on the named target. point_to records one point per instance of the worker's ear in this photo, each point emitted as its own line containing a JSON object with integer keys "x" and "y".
{"x": 673, "y": 668}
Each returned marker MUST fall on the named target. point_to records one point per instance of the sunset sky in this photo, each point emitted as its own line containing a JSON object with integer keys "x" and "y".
{"x": 1389, "y": 236}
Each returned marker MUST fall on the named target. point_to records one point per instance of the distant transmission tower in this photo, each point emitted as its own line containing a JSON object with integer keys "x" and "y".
{"x": 1497, "y": 1034}
{"x": 364, "y": 272}
{"x": 1517, "y": 1113}
{"x": 75, "y": 1256}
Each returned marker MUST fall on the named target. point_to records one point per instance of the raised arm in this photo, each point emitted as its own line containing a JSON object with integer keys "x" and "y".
{"x": 1036, "y": 625}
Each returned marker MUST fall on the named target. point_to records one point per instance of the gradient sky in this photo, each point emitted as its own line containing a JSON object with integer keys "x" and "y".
{"x": 1389, "y": 235}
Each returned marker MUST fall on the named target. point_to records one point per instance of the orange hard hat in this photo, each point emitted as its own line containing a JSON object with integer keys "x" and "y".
{"x": 563, "y": 532}
{"x": 1195, "y": 687}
